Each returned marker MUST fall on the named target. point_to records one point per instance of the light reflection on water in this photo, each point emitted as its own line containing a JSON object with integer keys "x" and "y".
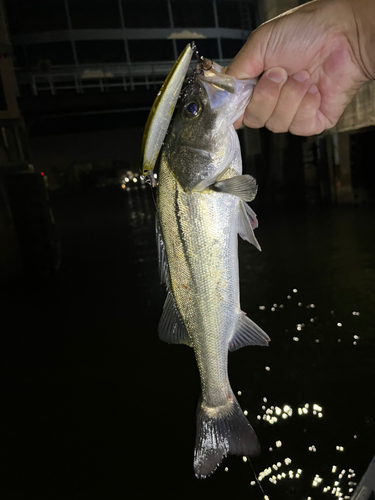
{"x": 310, "y": 395}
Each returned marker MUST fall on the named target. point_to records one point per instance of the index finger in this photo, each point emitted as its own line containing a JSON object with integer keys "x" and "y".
{"x": 249, "y": 62}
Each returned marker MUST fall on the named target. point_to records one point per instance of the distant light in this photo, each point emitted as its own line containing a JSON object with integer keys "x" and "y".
{"x": 278, "y": 444}
{"x": 126, "y": 179}
{"x": 226, "y": 469}
{"x": 268, "y": 368}
{"x": 239, "y": 393}
{"x": 135, "y": 179}
{"x": 296, "y": 339}
{"x": 295, "y": 290}
{"x": 244, "y": 459}
{"x": 123, "y": 186}
{"x": 42, "y": 173}
{"x": 156, "y": 176}
{"x": 339, "y": 324}
{"x": 262, "y": 308}
{"x": 245, "y": 412}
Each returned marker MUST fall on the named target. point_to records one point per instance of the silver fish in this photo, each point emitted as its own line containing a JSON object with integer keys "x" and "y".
{"x": 201, "y": 208}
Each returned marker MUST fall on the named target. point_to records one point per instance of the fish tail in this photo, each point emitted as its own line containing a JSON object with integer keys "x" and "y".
{"x": 222, "y": 431}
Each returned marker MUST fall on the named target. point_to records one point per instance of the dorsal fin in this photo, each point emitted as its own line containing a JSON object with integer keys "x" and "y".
{"x": 171, "y": 325}
{"x": 162, "y": 256}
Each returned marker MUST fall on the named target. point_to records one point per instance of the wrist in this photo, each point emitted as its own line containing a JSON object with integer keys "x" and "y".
{"x": 363, "y": 34}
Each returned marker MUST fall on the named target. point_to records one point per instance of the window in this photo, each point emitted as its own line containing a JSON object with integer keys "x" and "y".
{"x": 193, "y": 14}
{"x": 146, "y": 13}
{"x": 151, "y": 50}
{"x": 94, "y": 14}
{"x": 44, "y": 55}
{"x": 26, "y": 16}
{"x": 100, "y": 51}
{"x": 229, "y": 14}
{"x": 230, "y": 47}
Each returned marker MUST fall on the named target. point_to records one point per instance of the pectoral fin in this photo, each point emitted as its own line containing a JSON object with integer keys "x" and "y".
{"x": 247, "y": 333}
{"x": 171, "y": 326}
{"x": 247, "y": 223}
{"x": 243, "y": 186}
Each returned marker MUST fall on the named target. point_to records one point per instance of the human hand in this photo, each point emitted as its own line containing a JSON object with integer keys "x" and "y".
{"x": 312, "y": 63}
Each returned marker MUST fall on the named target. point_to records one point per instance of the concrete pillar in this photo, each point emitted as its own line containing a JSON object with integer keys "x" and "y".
{"x": 343, "y": 178}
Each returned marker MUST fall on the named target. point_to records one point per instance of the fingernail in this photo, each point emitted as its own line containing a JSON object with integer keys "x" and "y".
{"x": 313, "y": 89}
{"x": 276, "y": 75}
{"x": 301, "y": 76}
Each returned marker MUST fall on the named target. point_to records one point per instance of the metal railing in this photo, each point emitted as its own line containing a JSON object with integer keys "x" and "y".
{"x": 127, "y": 77}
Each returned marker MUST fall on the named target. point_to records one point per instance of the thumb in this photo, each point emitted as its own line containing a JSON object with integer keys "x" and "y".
{"x": 249, "y": 62}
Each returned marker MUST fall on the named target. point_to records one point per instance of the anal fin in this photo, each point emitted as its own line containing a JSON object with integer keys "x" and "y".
{"x": 247, "y": 223}
{"x": 247, "y": 333}
{"x": 171, "y": 327}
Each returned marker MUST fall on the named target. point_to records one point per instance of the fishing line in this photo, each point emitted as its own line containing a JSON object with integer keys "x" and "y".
{"x": 257, "y": 480}
{"x": 149, "y": 182}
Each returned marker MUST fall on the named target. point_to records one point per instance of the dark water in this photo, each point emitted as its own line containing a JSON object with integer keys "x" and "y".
{"x": 97, "y": 407}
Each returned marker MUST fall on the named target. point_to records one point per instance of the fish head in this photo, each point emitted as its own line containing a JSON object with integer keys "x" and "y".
{"x": 202, "y": 141}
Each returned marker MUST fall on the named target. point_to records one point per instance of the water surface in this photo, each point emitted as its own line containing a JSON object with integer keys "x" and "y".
{"x": 98, "y": 407}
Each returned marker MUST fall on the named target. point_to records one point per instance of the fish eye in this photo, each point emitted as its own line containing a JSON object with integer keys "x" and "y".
{"x": 192, "y": 109}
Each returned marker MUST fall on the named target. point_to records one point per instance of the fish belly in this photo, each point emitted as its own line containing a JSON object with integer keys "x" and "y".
{"x": 200, "y": 236}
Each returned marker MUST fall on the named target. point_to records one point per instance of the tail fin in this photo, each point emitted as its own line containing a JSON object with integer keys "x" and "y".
{"x": 222, "y": 431}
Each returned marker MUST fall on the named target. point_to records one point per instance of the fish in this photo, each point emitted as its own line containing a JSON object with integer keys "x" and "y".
{"x": 201, "y": 209}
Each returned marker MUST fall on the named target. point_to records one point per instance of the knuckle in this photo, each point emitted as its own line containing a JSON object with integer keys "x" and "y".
{"x": 276, "y": 126}
{"x": 253, "y": 122}
{"x": 253, "y": 119}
